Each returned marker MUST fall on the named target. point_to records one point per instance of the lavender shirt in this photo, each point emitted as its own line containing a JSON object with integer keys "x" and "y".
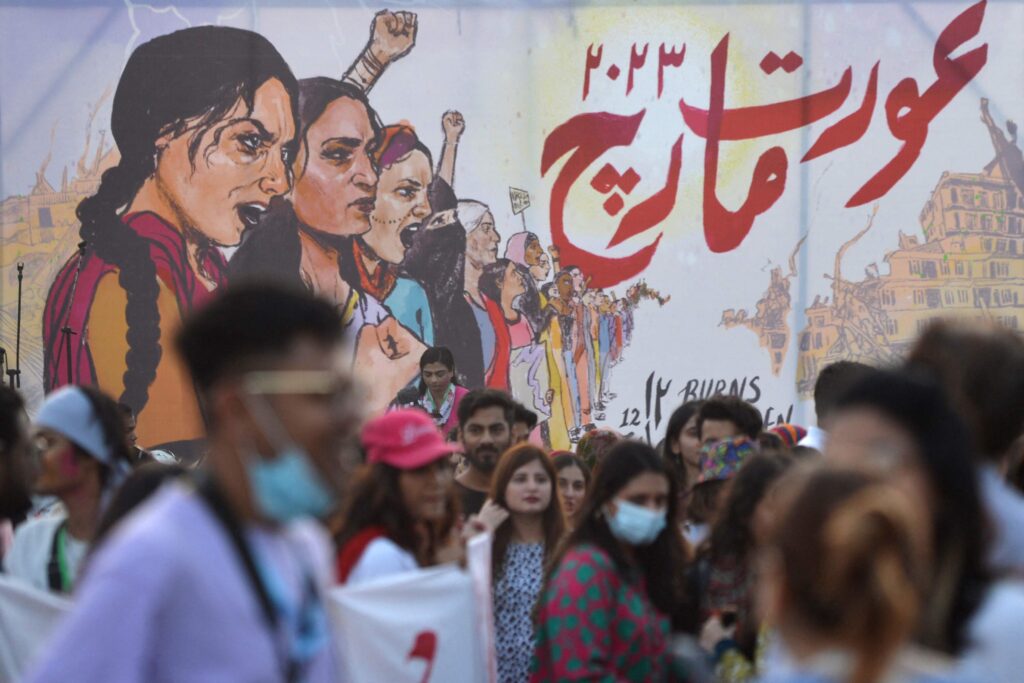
{"x": 166, "y": 599}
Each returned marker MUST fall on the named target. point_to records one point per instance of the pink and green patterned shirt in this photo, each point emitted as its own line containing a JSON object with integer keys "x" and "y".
{"x": 595, "y": 624}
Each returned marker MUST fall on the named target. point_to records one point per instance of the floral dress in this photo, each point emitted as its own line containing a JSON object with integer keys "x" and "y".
{"x": 515, "y": 595}
{"x": 595, "y": 623}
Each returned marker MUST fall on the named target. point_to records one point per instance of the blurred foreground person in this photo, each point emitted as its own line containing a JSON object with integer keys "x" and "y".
{"x": 225, "y": 581}
{"x": 401, "y": 510}
{"x": 83, "y": 457}
{"x": 840, "y": 580}
{"x": 981, "y": 368}
{"x": 604, "y": 613}
{"x": 15, "y": 466}
{"x": 900, "y": 426}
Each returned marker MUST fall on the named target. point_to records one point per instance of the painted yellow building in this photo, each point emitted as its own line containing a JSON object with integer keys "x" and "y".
{"x": 969, "y": 261}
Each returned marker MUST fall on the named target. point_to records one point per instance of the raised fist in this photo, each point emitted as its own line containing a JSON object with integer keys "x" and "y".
{"x": 392, "y": 36}
{"x": 453, "y": 126}
{"x": 553, "y": 250}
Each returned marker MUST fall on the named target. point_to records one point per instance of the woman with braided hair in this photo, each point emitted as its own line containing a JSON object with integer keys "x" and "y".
{"x": 204, "y": 122}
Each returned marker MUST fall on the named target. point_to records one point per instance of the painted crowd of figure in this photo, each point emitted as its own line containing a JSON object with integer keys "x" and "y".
{"x": 220, "y": 147}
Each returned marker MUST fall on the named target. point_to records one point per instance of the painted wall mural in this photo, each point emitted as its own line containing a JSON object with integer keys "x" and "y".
{"x": 604, "y": 211}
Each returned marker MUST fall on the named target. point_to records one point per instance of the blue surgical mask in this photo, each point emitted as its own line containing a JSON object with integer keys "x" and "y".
{"x": 288, "y": 486}
{"x": 635, "y": 524}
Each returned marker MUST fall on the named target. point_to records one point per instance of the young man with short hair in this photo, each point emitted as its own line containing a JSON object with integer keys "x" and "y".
{"x": 485, "y": 431}
{"x": 832, "y": 382}
{"x": 724, "y": 417}
{"x": 226, "y": 580}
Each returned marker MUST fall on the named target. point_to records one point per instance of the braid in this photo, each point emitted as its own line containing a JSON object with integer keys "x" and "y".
{"x": 119, "y": 245}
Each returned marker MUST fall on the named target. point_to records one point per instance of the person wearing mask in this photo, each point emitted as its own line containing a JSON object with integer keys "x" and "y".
{"x": 83, "y": 456}
{"x": 524, "y": 486}
{"x": 438, "y": 392}
{"x": 899, "y": 425}
{"x": 226, "y": 580}
{"x": 604, "y": 613}
{"x": 573, "y": 481}
{"x": 981, "y": 368}
{"x": 840, "y": 581}
{"x": 832, "y": 382}
{"x": 16, "y": 468}
{"x": 682, "y": 440}
{"x": 399, "y": 514}
{"x": 485, "y": 432}
{"x": 725, "y": 417}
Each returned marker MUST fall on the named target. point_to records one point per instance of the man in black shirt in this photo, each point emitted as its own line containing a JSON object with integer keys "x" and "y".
{"x": 485, "y": 431}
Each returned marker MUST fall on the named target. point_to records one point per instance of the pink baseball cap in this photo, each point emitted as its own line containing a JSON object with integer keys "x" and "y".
{"x": 405, "y": 439}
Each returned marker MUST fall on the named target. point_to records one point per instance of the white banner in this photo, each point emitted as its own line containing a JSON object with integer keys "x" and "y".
{"x": 27, "y": 618}
{"x": 415, "y": 627}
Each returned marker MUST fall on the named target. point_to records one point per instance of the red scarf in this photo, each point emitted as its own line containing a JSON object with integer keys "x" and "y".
{"x": 497, "y": 374}
{"x": 382, "y": 281}
{"x": 169, "y": 252}
{"x": 349, "y": 554}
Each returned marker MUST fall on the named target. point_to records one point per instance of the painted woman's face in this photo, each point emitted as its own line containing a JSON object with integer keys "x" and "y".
{"x": 537, "y": 260}
{"x": 335, "y": 180}
{"x": 402, "y": 201}
{"x": 240, "y": 164}
{"x": 512, "y": 283}
{"x": 565, "y": 288}
{"x": 482, "y": 242}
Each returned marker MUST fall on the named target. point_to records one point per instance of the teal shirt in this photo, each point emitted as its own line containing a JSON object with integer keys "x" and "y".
{"x": 408, "y": 303}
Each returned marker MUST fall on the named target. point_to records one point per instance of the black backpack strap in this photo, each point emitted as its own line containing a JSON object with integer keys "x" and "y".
{"x": 53, "y": 577}
{"x": 212, "y": 496}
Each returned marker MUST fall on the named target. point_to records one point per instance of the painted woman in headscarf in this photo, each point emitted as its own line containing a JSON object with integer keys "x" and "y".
{"x": 204, "y": 120}
{"x": 306, "y": 239}
{"x": 524, "y": 249}
{"x": 402, "y": 205}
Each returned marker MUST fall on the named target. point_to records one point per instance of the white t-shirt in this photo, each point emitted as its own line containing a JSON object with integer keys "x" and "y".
{"x": 1005, "y": 507}
{"x": 994, "y": 636}
{"x": 167, "y": 599}
{"x": 380, "y": 558}
{"x": 29, "y": 556}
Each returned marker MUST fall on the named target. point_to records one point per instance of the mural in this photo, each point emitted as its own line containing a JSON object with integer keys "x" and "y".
{"x": 220, "y": 144}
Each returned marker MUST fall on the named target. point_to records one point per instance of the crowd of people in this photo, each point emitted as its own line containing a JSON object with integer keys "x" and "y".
{"x": 354, "y": 210}
{"x": 883, "y": 544}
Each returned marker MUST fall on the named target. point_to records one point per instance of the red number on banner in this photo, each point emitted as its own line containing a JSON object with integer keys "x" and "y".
{"x": 424, "y": 648}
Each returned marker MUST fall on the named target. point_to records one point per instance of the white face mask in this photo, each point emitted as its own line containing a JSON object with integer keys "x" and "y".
{"x": 635, "y": 524}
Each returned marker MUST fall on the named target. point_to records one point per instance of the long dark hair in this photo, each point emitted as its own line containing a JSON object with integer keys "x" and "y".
{"x": 662, "y": 562}
{"x": 552, "y": 519}
{"x": 272, "y": 249}
{"x": 959, "y": 526}
{"x": 175, "y": 84}
{"x": 376, "y": 500}
{"x": 491, "y": 282}
{"x": 732, "y": 533}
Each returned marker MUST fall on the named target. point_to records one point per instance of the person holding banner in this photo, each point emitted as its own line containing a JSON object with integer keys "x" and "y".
{"x": 604, "y": 613}
{"x": 402, "y": 509}
{"x": 83, "y": 457}
{"x": 524, "y": 485}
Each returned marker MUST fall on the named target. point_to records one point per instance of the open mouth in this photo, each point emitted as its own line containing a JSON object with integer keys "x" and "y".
{"x": 364, "y": 205}
{"x": 250, "y": 214}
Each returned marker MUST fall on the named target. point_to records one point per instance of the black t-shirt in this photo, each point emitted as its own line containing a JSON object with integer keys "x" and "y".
{"x": 471, "y": 499}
